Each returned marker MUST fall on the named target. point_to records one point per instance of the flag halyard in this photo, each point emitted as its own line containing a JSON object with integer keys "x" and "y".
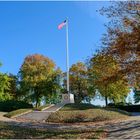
{"x": 61, "y": 25}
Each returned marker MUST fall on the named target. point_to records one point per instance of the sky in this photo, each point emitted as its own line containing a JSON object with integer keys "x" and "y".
{"x": 31, "y": 27}
{"x": 28, "y": 28}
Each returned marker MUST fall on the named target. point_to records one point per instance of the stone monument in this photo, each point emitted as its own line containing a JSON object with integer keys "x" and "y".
{"x": 67, "y": 98}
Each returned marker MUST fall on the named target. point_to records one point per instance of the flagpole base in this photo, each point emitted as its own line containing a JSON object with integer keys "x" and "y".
{"x": 67, "y": 98}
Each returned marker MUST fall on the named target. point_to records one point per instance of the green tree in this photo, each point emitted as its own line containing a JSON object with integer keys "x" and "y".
{"x": 38, "y": 78}
{"x": 79, "y": 85}
{"x": 103, "y": 76}
{"x": 136, "y": 95}
{"x": 14, "y": 87}
{"x": 4, "y": 87}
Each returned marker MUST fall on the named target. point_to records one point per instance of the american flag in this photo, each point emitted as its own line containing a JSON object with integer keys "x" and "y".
{"x": 61, "y": 25}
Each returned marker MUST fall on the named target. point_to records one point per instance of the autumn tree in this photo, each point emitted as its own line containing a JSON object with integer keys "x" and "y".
{"x": 38, "y": 78}
{"x": 103, "y": 76}
{"x": 122, "y": 39}
{"x": 79, "y": 85}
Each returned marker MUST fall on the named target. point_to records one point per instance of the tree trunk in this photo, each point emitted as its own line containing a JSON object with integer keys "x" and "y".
{"x": 36, "y": 105}
{"x": 37, "y": 101}
{"x": 106, "y": 101}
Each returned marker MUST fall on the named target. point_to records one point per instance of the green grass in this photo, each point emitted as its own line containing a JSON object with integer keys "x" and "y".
{"x": 69, "y": 107}
{"x": 16, "y": 112}
{"x": 42, "y": 107}
{"x": 73, "y": 113}
{"x": 16, "y": 132}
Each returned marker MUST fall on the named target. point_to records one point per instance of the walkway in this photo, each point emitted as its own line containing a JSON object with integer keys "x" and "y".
{"x": 39, "y": 116}
{"x": 129, "y": 129}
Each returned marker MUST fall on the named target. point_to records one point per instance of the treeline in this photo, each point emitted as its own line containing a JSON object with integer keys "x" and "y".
{"x": 109, "y": 73}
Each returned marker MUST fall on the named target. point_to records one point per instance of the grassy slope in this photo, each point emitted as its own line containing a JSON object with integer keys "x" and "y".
{"x": 22, "y": 111}
{"x": 17, "y": 112}
{"x": 71, "y": 113}
{"x": 42, "y": 107}
{"x": 16, "y": 132}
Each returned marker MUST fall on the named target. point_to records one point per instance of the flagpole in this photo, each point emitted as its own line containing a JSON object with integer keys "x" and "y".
{"x": 67, "y": 56}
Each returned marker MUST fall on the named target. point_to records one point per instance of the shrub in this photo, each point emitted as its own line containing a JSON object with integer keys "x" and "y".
{"x": 126, "y": 107}
{"x": 11, "y": 105}
{"x": 130, "y": 108}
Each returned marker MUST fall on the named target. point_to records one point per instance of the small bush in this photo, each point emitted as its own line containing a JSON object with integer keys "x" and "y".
{"x": 11, "y": 105}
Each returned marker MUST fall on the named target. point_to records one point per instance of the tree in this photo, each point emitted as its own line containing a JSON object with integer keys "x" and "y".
{"x": 4, "y": 87}
{"x": 79, "y": 85}
{"x": 54, "y": 87}
{"x": 103, "y": 76}
{"x": 38, "y": 78}
{"x": 137, "y": 95}
{"x": 14, "y": 87}
{"x": 122, "y": 38}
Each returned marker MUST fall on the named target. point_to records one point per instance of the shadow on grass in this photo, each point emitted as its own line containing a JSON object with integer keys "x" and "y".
{"x": 83, "y": 106}
{"x": 17, "y": 130}
{"x": 125, "y": 130}
{"x": 117, "y": 110}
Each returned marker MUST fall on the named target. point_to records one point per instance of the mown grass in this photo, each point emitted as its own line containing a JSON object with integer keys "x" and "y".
{"x": 15, "y": 113}
{"x": 16, "y": 132}
{"x": 69, "y": 107}
{"x": 73, "y": 113}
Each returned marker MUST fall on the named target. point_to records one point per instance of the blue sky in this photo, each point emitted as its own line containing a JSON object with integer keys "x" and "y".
{"x": 31, "y": 27}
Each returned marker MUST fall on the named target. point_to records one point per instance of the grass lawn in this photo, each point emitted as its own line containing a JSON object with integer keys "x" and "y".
{"x": 17, "y": 112}
{"x": 16, "y": 132}
{"x": 72, "y": 113}
{"x": 42, "y": 107}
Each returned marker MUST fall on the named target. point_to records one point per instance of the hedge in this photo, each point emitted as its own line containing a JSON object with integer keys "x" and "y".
{"x": 11, "y": 105}
{"x": 128, "y": 108}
